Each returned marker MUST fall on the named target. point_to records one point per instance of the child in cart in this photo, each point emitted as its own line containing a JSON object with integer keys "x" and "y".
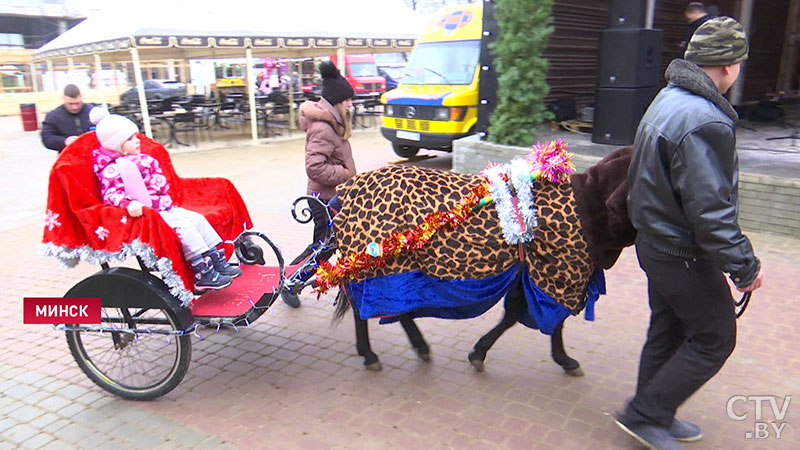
{"x": 132, "y": 180}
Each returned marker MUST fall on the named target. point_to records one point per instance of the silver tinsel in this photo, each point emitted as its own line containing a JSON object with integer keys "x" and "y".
{"x": 164, "y": 267}
{"x": 520, "y": 177}
{"x": 503, "y": 201}
{"x": 70, "y": 257}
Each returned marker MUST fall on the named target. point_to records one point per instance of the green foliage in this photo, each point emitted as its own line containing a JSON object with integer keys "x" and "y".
{"x": 521, "y": 86}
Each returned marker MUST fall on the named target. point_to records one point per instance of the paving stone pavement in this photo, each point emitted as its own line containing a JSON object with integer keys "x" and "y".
{"x": 292, "y": 381}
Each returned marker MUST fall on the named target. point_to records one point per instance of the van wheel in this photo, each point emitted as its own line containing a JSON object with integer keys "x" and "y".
{"x": 406, "y": 151}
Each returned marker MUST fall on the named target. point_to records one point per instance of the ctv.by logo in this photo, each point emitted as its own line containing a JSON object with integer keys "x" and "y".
{"x": 762, "y": 429}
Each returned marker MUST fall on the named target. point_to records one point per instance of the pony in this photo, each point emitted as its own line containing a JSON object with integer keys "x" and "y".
{"x": 459, "y": 262}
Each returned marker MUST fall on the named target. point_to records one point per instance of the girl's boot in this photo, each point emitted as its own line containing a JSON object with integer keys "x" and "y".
{"x": 221, "y": 264}
{"x": 205, "y": 277}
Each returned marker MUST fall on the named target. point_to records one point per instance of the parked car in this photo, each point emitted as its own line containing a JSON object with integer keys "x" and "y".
{"x": 155, "y": 90}
{"x": 362, "y": 73}
{"x": 393, "y": 76}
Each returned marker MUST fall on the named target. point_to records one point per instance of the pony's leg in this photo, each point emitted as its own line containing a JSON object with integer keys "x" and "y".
{"x": 514, "y": 306}
{"x": 363, "y": 347}
{"x": 415, "y": 336}
{"x": 570, "y": 366}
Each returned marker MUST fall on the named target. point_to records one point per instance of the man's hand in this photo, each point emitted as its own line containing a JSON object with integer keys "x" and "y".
{"x": 135, "y": 209}
{"x": 755, "y": 284}
{"x": 69, "y": 140}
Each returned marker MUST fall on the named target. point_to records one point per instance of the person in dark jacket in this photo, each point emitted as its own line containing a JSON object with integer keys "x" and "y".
{"x": 683, "y": 202}
{"x": 64, "y": 124}
{"x": 696, "y": 14}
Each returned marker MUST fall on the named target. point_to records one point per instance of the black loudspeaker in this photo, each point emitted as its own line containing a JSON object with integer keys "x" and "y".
{"x": 627, "y": 13}
{"x": 617, "y": 113}
{"x": 629, "y": 57}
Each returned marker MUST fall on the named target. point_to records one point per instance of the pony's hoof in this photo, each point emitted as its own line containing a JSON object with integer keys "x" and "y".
{"x": 576, "y": 372}
{"x": 476, "y": 363}
{"x": 425, "y": 356}
{"x": 374, "y": 367}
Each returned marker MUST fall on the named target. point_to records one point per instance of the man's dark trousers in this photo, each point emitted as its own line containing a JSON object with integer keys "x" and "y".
{"x": 692, "y": 332}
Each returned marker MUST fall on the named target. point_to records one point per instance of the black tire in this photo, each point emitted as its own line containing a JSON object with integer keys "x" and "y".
{"x": 406, "y": 151}
{"x": 119, "y": 362}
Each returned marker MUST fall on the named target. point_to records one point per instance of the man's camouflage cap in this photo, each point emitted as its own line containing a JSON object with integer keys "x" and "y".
{"x": 717, "y": 42}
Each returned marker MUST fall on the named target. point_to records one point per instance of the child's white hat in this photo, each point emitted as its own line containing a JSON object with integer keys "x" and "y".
{"x": 114, "y": 130}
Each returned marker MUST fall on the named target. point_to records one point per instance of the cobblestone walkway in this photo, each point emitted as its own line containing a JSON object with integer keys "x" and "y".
{"x": 291, "y": 381}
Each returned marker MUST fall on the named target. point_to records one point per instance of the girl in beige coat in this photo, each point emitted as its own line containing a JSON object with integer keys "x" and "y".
{"x": 329, "y": 159}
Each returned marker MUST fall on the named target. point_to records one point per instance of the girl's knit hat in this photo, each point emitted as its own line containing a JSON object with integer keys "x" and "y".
{"x": 335, "y": 88}
{"x": 98, "y": 113}
{"x": 114, "y": 130}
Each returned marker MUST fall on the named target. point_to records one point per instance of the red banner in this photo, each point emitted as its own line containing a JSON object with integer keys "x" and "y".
{"x": 56, "y": 310}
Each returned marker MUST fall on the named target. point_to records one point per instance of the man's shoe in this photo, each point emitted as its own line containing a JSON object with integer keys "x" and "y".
{"x": 685, "y": 431}
{"x": 651, "y": 436}
{"x": 290, "y": 298}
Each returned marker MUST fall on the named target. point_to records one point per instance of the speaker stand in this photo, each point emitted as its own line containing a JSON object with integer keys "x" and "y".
{"x": 794, "y": 136}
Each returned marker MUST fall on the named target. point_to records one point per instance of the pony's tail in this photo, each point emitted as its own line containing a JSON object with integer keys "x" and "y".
{"x": 341, "y": 306}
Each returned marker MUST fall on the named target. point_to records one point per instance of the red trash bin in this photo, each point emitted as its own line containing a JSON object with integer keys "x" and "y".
{"x": 30, "y": 120}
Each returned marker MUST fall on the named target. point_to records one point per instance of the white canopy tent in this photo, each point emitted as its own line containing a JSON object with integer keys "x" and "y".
{"x": 151, "y": 29}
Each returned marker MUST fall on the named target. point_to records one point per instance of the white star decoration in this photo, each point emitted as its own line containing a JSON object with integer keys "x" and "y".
{"x": 124, "y": 219}
{"x": 51, "y": 220}
{"x": 102, "y": 233}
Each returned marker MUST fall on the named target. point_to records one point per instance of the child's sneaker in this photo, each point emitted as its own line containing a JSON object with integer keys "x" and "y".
{"x": 221, "y": 264}
{"x": 205, "y": 277}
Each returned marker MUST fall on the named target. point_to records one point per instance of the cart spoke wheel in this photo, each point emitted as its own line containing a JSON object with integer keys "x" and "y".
{"x": 140, "y": 365}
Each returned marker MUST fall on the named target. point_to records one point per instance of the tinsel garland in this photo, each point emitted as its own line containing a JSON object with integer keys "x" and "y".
{"x": 69, "y": 257}
{"x": 522, "y": 181}
{"x": 511, "y": 185}
{"x": 503, "y": 199}
{"x": 398, "y": 242}
{"x": 517, "y": 212}
{"x": 551, "y": 161}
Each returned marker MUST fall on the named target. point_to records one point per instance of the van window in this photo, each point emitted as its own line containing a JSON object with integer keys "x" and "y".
{"x": 443, "y": 62}
{"x": 365, "y": 69}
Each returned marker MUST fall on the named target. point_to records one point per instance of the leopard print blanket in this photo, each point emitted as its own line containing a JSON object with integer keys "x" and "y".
{"x": 377, "y": 203}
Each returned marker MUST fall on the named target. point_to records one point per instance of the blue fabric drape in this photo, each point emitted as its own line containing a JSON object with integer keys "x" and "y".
{"x": 420, "y": 295}
{"x": 426, "y": 296}
{"x": 544, "y": 313}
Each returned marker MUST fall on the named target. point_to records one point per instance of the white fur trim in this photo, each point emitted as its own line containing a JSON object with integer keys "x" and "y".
{"x": 70, "y": 257}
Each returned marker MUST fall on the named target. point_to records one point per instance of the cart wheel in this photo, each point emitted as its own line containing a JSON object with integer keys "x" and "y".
{"x": 135, "y": 365}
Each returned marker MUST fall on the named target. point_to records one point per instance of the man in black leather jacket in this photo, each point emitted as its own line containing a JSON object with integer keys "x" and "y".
{"x": 683, "y": 202}
{"x": 64, "y": 124}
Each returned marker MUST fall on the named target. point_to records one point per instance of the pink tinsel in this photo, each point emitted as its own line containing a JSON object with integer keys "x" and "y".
{"x": 551, "y": 160}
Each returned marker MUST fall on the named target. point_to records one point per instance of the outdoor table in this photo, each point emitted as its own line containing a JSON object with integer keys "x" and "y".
{"x": 169, "y": 118}
{"x": 265, "y": 112}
